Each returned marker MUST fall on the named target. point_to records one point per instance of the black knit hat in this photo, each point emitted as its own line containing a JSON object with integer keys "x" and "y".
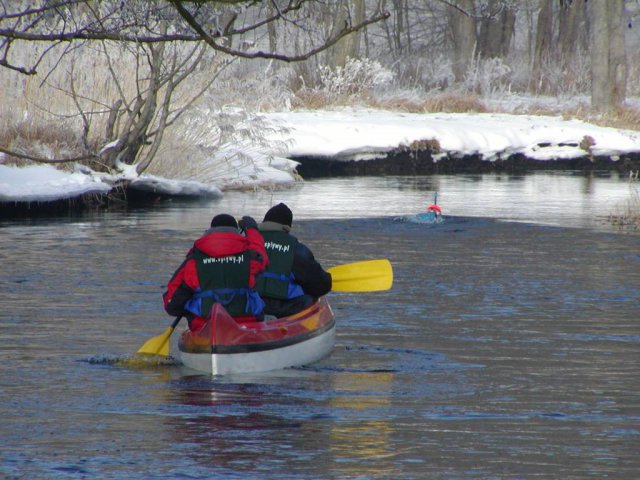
{"x": 223, "y": 220}
{"x": 279, "y": 214}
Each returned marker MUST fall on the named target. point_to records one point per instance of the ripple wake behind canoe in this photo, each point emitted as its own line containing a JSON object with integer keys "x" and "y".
{"x": 134, "y": 361}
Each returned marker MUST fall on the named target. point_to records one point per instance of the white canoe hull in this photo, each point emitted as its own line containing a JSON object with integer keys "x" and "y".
{"x": 303, "y": 353}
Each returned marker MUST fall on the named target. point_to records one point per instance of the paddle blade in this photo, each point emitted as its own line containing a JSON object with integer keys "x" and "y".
{"x": 157, "y": 345}
{"x": 367, "y": 276}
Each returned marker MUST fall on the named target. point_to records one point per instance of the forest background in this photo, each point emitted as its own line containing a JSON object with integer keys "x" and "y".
{"x": 164, "y": 86}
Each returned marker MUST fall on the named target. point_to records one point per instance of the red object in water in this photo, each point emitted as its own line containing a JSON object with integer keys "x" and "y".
{"x": 434, "y": 208}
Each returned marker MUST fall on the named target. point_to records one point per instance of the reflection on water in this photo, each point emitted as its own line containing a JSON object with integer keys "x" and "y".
{"x": 559, "y": 198}
{"x": 503, "y": 350}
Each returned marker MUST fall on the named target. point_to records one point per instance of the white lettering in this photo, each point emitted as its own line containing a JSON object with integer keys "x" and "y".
{"x": 231, "y": 259}
{"x": 277, "y": 246}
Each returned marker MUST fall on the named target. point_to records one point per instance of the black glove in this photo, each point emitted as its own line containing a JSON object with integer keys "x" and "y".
{"x": 247, "y": 222}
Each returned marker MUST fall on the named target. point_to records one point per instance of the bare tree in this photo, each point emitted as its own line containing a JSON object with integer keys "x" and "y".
{"x": 463, "y": 34}
{"x": 138, "y": 119}
{"x": 608, "y": 64}
{"x": 395, "y": 28}
{"x": 496, "y": 29}
{"x": 352, "y": 11}
{"x": 543, "y": 49}
{"x": 136, "y": 125}
{"x": 572, "y": 35}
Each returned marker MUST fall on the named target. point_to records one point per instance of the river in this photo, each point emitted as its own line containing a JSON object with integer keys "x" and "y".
{"x": 508, "y": 347}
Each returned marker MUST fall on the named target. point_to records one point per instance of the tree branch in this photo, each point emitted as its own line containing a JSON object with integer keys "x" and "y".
{"x": 24, "y": 156}
{"x": 186, "y": 15}
{"x": 96, "y": 35}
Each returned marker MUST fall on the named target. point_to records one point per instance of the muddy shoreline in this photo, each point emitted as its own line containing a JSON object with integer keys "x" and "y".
{"x": 422, "y": 162}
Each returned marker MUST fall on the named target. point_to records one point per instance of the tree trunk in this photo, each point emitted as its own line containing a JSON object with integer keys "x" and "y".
{"x": 271, "y": 29}
{"x": 496, "y": 31}
{"x": 544, "y": 35}
{"x": 572, "y": 36}
{"x": 463, "y": 32}
{"x": 608, "y": 63}
{"x": 348, "y": 13}
{"x": 399, "y": 27}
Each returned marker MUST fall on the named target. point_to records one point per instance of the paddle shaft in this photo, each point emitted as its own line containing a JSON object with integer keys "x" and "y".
{"x": 175, "y": 322}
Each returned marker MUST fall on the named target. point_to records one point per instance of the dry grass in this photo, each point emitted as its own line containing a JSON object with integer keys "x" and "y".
{"x": 310, "y": 99}
{"x": 445, "y": 102}
{"x": 49, "y": 141}
{"x": 425, "y": 145}
{"x": 624, "y": 117}
{"x": 628, "y": 218}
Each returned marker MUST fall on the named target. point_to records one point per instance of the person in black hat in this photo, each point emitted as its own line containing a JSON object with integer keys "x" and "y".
{"x": 294, "y": 279}
{"x": 220, "y": 268}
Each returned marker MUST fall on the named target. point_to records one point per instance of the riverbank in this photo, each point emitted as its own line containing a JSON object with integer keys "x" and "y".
{"x": 415, "y": 163}
{"x": 423, "y": 162}
{"x": 366, "y": 141}
{"x": 348, "y": 142}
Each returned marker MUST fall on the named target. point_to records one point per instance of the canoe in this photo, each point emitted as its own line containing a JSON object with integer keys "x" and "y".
{"x": 224, "y": 346}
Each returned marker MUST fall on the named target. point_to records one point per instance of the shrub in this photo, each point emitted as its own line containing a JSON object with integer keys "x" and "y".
{"x": 628, "y": 218}
{"x": 356, "y": 77}
{"x": 488, "y": 77}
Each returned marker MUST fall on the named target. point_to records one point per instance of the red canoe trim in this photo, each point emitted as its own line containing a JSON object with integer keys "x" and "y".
{"x": 262, "y": 347}
{"x": 223, "y": 335}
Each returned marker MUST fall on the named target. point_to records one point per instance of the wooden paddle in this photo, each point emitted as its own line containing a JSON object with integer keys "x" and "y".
{"x": 159, "y": 345}
{"x": 366, "y": 276}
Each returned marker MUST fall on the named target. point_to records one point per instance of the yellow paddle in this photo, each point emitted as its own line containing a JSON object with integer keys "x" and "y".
{"x": 159, "y": 345}
{"x": 366, "y": 276}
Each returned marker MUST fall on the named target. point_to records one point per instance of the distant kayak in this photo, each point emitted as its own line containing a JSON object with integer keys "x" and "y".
{"x": 432, "y": 215}
{"x": 224, "y": 346}
{"x": 425, "y": 217}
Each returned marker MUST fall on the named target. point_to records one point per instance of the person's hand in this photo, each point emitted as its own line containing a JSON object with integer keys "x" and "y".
{"x": 247, "y": 222}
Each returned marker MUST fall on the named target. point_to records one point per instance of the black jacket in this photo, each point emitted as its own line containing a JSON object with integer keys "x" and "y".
{"x": 309, "y": 274}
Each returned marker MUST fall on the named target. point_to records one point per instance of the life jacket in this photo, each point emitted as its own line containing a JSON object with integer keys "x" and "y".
{"x": 278, "y": 281}
{"x": 224, "y": 280}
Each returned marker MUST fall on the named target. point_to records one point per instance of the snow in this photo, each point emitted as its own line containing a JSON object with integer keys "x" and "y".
{"x": 42, "y": 183}
{"x": 347, "y": 134}
{"x": 151, "y": 183}
{"x": 361, "y": 134}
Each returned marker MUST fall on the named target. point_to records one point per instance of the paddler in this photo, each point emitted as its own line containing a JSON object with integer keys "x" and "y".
{"x": 435, "y": 209}
{"x": 221, "y": 267}
{"x": 294, "y": 279}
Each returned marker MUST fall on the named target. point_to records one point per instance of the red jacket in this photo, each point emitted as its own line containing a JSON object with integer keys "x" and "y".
{"x": 216, "y": 242}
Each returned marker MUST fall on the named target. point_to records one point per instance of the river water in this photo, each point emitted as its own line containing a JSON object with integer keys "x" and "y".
{"x": 508, "y": 347}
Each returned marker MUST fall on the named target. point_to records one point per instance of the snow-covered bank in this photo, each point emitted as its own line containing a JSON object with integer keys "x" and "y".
{"x": 348, "y": 135}
{"x": 368, "y": 134}
{"x": 168, "y": 187}
{"x": 44, "y": 183}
